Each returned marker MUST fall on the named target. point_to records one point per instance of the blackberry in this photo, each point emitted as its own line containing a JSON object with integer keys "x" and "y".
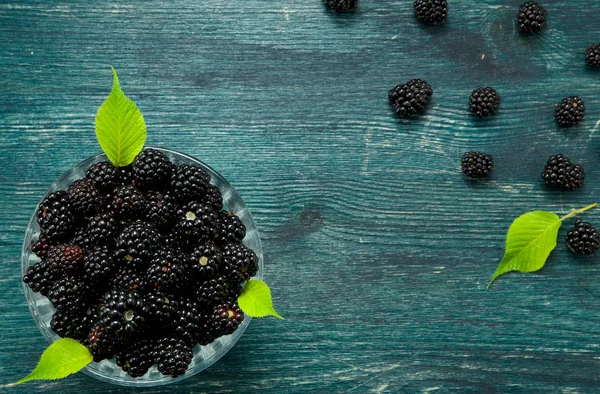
{"x": 241, "y": 262}
{"x": 82, "y": 238}
{"x": 226, "y": 318}
{"x": 189, "y": 182}
{"x": 85, "y": 199}
{"x": 99, "y": 266}
{"x": 477, "y": 164}
{"x": 583, "y": 239}
{"x": 102, "y": 229}
{"x": 102, "y": 342}
{"x": 196, "y": 222}
{"x": 569, "y": 111}
{"x": 137, "y": 243}
{"x": 410, "y": 98}
{"x": 532, "y": 17}
{"x": 176, "y": 242}
{"x": 230, "y": 227}
{"x": 40, "y": 247}
{"x": 160, "y": 208}
{"x": 165, "y": 271}
{"x": 592, "y": 55}
{"x": 484, "y": 102}
{"x": 128, "y": 202}
{"x": 69, "y": 294}
{"x": 213, "y": 198}
{"x": 152, "y": 169}
{"x": 173, "y": 356}
{"x": 204, "y": 261}
{"x": 73, "y": 324}
{"x": 40, "y": 277}
{"x": 103, "y": 175}
{"x": 339, "y": 6}
{"x": 60, "y": 260}
{"x": 431, "y": 11}
{"x": 205, "y": 332}
{"x": 137, "y": 358}
{"x": 187, "y": 319}
{"x": 561, "y": 173}
{"x": 218, "y": 290}
{"x": 125, "y": 176}
{"x": 124, "y": 312}
{"x": 130, "y": 278}
{"x": 160, "y": 310}
{"x": 55, "y": 217}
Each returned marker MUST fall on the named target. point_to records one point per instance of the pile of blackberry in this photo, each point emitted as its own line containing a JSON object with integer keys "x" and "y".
{"x": 141, "y": 263}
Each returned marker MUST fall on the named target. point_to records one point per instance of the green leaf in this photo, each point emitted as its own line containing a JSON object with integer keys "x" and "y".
{"x": 120, "y": 127}
{"x": 256, "y": 301}
{"x": 62, "y": 358}
{"x": 531, "y": 238}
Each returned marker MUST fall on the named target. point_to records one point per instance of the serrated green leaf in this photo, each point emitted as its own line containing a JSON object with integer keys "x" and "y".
{"x": 120, "y": 127}
{"x": 530, "y": 239}
{"x": 256, "y": 301}
{"x": 62, "y": 358}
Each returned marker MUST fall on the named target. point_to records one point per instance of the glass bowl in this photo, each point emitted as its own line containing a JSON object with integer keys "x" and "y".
{"x": 107, "y": 370}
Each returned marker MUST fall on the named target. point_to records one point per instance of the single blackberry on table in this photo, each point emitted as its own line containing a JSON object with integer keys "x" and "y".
{"x": 189, "y": 182}
{"x": 69, "y": 294}
{"x": 137, "y": 357}
{"x": 102, "y": 342}
{"x": 138, "y": 243}
{"x": 173, "y": 356}
{"x": 165, "y": 272}
{"x": 226, "y": 318}
{"x": 230, "y": 227}
{"x": 339, "y": 6}
{"x": 410, "y": 98}
{"x": 204, "y": 261}
{"x": 85, "y": 199}
{"x": 55, "y": 216}
{"x": 152, "y": 169}
{"x": 128, "y": 202}
{"x": 160, "y": 208}
{"x": 124, "y": 312}
{"x": 592, "y": 55}
{"x": 196, "y": 222}
{"x": 103, "y": 175}
{"x": 484, "y": 102}
{"x": 431, "y": 11}
{"x": 569, "y": 111}
{"x": 99, "y": 266}
{"x": 102, "y": 229}
{"x": 532, "y": 17}
{"x": 583, "y": 239}
{"x": 561, "y": 173}
{"x": 73, "y": 324}
{"x": 241, "y": 263}
{"x": 213, "y": 198}
{"x": 40, "y": 247}
{"x": 477, "y": 164}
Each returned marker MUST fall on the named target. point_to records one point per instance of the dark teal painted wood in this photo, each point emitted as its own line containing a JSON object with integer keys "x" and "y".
{"x": 377, "y": 250}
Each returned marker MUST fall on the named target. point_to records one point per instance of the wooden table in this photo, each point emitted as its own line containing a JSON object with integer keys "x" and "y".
{"x": 377, "y": 249}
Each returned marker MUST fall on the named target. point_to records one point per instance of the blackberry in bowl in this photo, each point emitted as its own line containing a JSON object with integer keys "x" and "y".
{"x": 142, "y": 265}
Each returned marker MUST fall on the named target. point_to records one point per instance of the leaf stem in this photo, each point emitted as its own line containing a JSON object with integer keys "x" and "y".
{"x": 578, "y": 211}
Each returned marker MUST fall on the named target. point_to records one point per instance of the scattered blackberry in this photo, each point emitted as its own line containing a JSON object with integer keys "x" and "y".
{"x": 137, "y": 358}
{"x": 189, "y": 182}
{"x": 230, "y": 227}
{"x": 592, "y": 55}
{"x": 99, "y": 266}
{"x": 213, "y": 198}
{"x": 484, "y": 102}
{"x": 128, "y": 202}
{"x": 103, "y": 175}
{"x": 85, "y": 199}
{"x": 40, "y": 247}
{"x": 241, "y": 262}
{"x": 55, "y": 216}
{"x": 173, "y": 356}
{"x": 137, "y": 243}
{"x": 226, "y": 318}
{"x": 204, "y": 261}
{"x": 532, "y": 17}
{"x": 152, "y": 169}
{"x": 339, "y": 6}
{"x": 69, "y": 294}
{"x": 160, "y": 208}
{"x": 102, "y": 229}
{"x": 583, "y": 239}
{"x": 431, "y": 11}
{"x": 569, "y": 111}
{"x": 561, "y": 173}
{"x": 196, "y": 222}
{"x": 102, "y": 342}
{"x": 477, "y": 164}
{"x": 165, "y": 271}
{"x": 124, "y": 312}
{"x": 73, "y": 324}
{"x": 410, "y": 98}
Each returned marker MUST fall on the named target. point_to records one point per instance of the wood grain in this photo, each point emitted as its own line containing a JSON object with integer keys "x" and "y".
{"x": 377, "y": 250}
